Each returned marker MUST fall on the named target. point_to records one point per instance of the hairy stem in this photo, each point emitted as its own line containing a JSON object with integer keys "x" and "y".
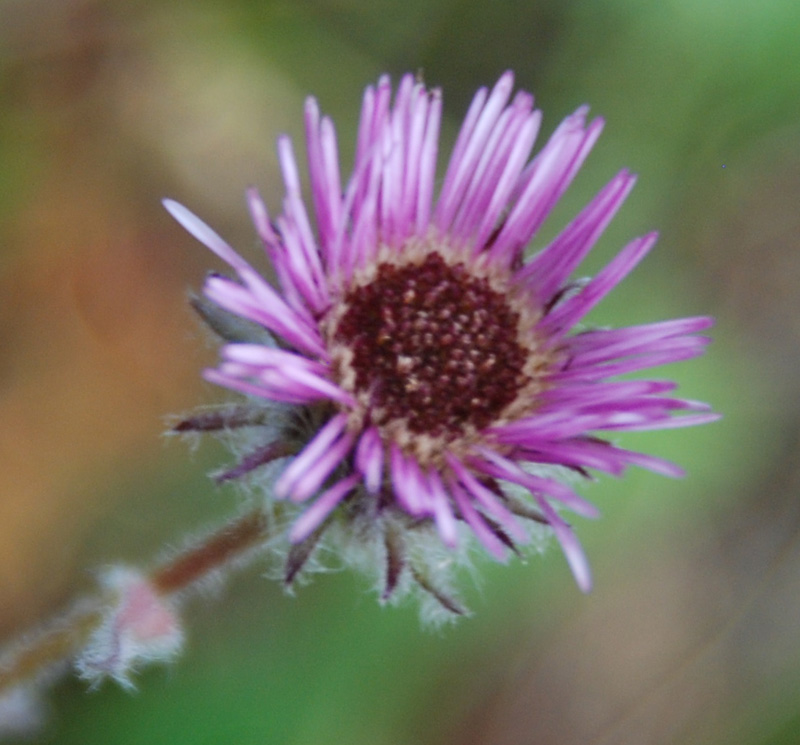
{"x": 52, "y": 646}
{"x": 215, "y": 551}
{"x": 66, "y": 637}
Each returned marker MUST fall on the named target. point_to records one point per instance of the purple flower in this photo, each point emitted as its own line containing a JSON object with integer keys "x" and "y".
{"x": 427, "y": 375}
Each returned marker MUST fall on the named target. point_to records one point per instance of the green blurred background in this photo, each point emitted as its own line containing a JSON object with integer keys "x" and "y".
{"x": 691, "y": 635}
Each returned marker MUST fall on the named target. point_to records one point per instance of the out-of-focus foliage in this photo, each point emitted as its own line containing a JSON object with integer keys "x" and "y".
{"x": 690, "y": 634}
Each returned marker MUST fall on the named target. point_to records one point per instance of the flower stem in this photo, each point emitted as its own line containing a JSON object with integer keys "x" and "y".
{"x": 215, "y": 551}
{"x": 67, "y": 636}
{"x": 52, "y": 646}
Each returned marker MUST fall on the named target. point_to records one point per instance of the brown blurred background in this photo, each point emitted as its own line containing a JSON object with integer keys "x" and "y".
{"x": 691, "y": 635}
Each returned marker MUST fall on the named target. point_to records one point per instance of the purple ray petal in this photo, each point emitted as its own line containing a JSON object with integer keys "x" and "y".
{"x": 323, "y": 505}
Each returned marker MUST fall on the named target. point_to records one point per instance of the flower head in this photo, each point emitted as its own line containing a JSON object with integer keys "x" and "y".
{"x": 429, "y": 379}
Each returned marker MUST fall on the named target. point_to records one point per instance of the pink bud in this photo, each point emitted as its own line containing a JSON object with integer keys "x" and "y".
{"x": 140, "y": 626}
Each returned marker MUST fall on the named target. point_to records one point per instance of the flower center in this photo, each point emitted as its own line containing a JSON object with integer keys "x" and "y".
{"x": 433, "y": 346}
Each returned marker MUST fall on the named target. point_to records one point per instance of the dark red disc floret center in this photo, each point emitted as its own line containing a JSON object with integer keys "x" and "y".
{"x": 433, "y": 346}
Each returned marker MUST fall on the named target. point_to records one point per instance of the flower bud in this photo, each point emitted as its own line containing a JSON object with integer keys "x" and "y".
{"x": 140, "y": 626}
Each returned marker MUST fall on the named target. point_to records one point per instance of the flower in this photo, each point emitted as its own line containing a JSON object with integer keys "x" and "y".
{"x": 432, "y": 380}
